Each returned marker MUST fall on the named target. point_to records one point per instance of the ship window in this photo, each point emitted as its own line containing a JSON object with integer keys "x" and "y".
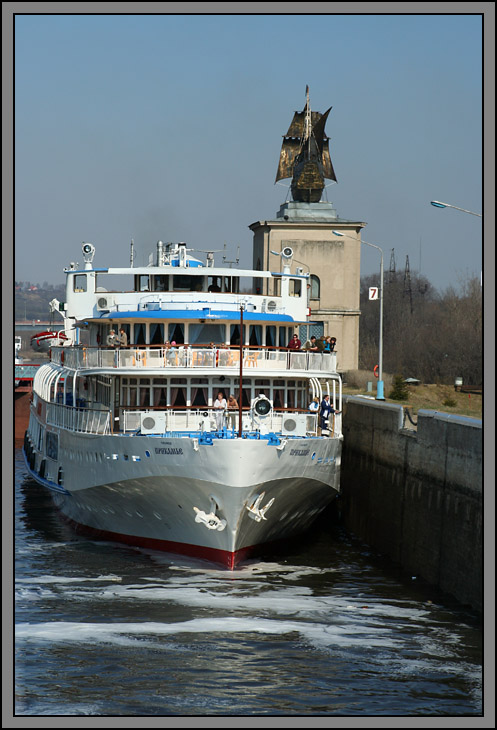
{"x": 156, "y": 333}
{"x": 278, "y": 397}
{"x": 177, "y": 333}
{"x": 183, "y": 283}
{"x": 52, "y": 445}
{"x": 79, "y": 282}
{"x": 139, "y": 333}
{"x": 295, "y": 287}
{"x": 214, "y": 284}
{"x": 276, "y": 287}
{"x": 161, "y": 283}
{"x": 271, "y": 336}
{"x": 145, "y": 395}
{"x": 199, "y": 395}
{"x": 315, "y": 287}
{"x": 255, "y": 337}
{"x": 235, "y": 334}
{"x": 206, "y": 333}
{"x": 178, "y": 396}
{"x": 160, "y": 392}
{"x": 143, "y": 282}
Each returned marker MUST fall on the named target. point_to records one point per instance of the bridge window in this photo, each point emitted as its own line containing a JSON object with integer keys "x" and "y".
{"x": 79, "y": 282}
{"x": 161, "y": 283}
{"x": 295, "y": 287}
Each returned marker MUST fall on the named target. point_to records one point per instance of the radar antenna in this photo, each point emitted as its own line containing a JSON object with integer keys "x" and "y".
{"x": 236, "y": 261}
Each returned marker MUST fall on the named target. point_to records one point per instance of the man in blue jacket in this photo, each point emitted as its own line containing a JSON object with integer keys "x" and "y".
{"x": 326, "y": 411}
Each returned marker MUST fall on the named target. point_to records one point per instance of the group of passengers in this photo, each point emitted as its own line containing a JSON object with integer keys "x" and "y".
{"x": 221, "y": 405}
{"x": 324, "y": 409}
{"x": 120, "y": 340}
{"x": 323, "y": 344}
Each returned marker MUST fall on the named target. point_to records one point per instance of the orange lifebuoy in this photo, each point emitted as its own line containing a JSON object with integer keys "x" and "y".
{"x": 376, "y": 371}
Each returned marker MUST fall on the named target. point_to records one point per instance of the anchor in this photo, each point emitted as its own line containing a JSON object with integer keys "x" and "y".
{"x": 211, "y": 520}
{"x": 256, "y": 512}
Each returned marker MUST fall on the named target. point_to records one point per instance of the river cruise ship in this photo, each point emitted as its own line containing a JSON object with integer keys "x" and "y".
{"x": 131, "y": 425}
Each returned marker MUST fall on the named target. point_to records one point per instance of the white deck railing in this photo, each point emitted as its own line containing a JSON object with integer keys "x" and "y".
{"x": 82, "y": 420}
{"x": 204, "y": 420}
{"x": 201, "y": 420}
{"x": 196, "y": 358}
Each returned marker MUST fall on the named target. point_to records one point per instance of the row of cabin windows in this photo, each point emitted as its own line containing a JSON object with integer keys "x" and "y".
{"x": 157, "y": 333}
{"x": 181, "y": 392}
{"x": 188, "y": 283}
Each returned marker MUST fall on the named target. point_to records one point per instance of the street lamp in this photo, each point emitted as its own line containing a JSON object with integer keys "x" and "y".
{"x": 438, "y": 204}
{"x": 379, "y": 387}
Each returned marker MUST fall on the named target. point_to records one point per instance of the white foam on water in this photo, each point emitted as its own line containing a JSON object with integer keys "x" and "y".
{"x": 61, "y": 579}
{"x": 249, "y": 569}
{"x": 120, "y": 633}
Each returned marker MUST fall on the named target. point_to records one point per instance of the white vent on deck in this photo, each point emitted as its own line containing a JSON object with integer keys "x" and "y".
{"x": 104, "y": 303}
{"x": 153, "y": 423}
{"x": 294, "y": 425}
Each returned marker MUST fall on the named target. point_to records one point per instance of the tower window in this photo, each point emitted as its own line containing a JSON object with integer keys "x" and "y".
{"x": 315, "y": 287}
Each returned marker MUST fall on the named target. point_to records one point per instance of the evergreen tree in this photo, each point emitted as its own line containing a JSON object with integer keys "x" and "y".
{"x": 399, "y": 391}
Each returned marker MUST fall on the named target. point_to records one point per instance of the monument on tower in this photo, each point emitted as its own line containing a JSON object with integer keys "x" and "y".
{"x": 306, "y": 225}
{"x": 305, "y": 155}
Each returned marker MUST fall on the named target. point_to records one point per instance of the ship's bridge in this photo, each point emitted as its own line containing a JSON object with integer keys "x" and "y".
{"x": 178, "y": 282}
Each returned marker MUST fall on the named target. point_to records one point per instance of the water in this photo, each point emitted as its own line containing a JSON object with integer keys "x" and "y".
{"x": 327, "y": 629}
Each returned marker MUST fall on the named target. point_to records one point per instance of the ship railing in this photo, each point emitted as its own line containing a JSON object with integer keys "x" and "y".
{"x": 205, "y": 420}
{"x": 193, "y": 357}
{"x": 82, "y": 420}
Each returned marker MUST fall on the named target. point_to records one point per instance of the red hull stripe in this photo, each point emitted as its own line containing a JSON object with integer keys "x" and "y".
{"x": 225, "y": 558}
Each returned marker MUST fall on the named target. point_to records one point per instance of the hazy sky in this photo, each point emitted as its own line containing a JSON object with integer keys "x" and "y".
{"x": 169, "y": 127}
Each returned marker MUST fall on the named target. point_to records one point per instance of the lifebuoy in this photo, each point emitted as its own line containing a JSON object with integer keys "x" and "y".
{"x": 376, "y": 371}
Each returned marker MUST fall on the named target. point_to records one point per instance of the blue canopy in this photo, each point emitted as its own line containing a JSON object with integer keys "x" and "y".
{"x": 186, "y": 314}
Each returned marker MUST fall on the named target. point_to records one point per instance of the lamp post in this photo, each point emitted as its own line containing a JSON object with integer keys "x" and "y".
{"x": 438, "y": 204}
{"x": 379, "y": 388}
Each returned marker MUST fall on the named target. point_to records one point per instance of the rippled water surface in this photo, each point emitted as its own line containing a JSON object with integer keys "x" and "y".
{"x": 325, "y": 629}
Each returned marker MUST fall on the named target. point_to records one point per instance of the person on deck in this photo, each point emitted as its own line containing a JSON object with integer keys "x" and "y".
{"x": 312, "y": 345}
{"x": 220, "y": 406}
{"x": 112, "y": 339}
{"x": 295, "y": 343}
{"x": 326, "y": 412}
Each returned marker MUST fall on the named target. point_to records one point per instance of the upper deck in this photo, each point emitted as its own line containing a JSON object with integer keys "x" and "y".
{"x": 272, "y": 361}
{"x": 178, "y": 286}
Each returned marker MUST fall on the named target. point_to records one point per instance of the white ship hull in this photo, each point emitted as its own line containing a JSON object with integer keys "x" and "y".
{"x": 182, "y": 496}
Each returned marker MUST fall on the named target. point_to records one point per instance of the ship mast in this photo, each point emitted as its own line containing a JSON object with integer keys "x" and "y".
{"x": 308, "y": 122}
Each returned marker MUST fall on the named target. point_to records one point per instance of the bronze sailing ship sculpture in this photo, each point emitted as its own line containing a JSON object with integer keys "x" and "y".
{"x": 305, "y": 155}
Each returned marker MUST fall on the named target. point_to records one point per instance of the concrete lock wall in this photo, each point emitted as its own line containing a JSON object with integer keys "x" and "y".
{"x": 416, "y": 495}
